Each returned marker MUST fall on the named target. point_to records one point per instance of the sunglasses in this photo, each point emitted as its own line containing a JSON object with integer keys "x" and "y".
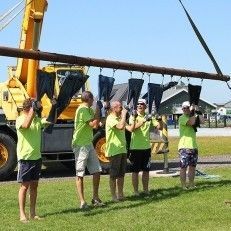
{"x": 185, "y": 108}
{"x": 140, "y": 104}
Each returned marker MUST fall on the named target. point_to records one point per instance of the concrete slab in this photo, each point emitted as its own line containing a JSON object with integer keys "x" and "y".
{"x": 161, "y": 173}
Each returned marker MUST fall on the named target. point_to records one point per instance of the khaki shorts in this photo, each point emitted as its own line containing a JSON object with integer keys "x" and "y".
{"x": 85, "y": 156}
{"x": 118, "y": 164}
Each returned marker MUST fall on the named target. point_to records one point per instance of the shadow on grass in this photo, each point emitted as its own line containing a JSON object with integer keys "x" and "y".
{"x": 154, "y": 197}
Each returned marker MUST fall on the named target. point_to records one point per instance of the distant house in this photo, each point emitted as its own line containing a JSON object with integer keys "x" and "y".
{"x": 224, "y": 109}
{"x": 171, "y": 101}
{"x": 174, "y": 97}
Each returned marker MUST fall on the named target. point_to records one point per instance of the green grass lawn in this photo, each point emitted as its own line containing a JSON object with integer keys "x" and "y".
{"x": 208, "y": 146}
{"x": 167, "y": 208}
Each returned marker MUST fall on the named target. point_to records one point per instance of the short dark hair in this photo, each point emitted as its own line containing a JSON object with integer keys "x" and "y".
{"x": 86, "y": 95}
{"x": 27, "y": 104}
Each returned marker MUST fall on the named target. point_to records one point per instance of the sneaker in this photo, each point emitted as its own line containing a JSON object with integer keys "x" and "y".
{"x": 84, "y": 206}
{"x": 97, "y": 203}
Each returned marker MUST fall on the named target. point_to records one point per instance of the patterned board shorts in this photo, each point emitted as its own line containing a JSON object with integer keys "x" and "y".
{"x": 188, "y": 157}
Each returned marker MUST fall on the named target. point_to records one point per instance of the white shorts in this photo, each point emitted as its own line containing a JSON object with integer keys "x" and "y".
{"x": 85, "y": 156}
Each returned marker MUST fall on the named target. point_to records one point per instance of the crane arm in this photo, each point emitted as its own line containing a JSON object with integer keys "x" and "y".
{"x": 30, "y": 35}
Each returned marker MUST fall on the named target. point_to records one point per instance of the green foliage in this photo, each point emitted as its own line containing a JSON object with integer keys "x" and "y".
{"x": 167, "y": 208}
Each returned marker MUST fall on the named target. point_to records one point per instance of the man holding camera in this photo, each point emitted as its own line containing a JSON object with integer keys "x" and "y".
{"x": 187, "y": 147}
{"x": 28, "y": 126}
{"x": 140, "y": 146}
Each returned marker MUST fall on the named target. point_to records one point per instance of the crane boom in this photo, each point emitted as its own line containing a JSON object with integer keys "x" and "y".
{"x": 30, "y": 36}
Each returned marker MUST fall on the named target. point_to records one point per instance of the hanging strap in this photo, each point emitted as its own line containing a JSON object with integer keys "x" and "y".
{"x": 202, "y": 41}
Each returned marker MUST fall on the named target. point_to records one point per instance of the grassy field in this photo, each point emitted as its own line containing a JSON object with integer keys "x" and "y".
{"x": 167, "y": 208}
{"x": 208, "y": 146}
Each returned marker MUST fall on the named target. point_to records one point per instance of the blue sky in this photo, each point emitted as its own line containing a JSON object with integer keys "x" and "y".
{"x": 152, "y": 32}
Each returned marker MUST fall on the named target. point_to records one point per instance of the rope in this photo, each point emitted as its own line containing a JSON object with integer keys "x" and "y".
{"x": 202, "y": 41}
{"x": 10, "y": 10}
{"x": 13, "y": 17}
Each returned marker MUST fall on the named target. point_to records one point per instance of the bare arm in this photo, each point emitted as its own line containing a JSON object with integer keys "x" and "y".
{"x": 94, "y": 123}
{"x": 139, "y": 124}
{"x": 28, "y": 118}
{"x": 122, "y": 122}
{"x": 131, "y": 127}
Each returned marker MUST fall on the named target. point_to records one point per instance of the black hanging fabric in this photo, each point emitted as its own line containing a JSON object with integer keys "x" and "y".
{"x": 72, "y": 84}
{"x": 105, "y": 85}
{"x": 45, "y": 84}
{"x": 169, "y": 85}
{"x": 155, "y": 93}
{"x": 194, "y": 92}
{"x": 134, "y": 90}
{"x": 202, "y": 41}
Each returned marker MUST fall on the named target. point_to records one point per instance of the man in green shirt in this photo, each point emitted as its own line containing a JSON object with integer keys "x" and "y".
{"x": 85, "y": 155}
{"x": 28, "y": 127}
{"x": 140, "y": 146}
{"x": 116, "y": 148}
{"x": 187, "y": 147}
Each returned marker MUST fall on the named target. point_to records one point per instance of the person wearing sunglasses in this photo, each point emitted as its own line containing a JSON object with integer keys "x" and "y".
{"x": 140, "y": 146}
{"x": 187, "y": 147}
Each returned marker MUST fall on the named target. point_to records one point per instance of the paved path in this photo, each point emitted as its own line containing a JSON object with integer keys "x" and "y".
{"x": 59, "y": 172}
{"x": 205, "y": 132}
{"x": 203, "y": 162}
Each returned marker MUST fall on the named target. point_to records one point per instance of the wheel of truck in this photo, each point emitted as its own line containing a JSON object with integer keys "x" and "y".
{"x": 99, "y": 142}
{"x": 8, "y": 157}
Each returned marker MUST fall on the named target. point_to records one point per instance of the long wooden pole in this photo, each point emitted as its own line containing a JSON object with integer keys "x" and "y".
{"x": 86, "y": 61}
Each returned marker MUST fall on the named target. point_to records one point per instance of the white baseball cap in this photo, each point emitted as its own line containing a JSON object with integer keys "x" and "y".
{"x": 143, "y": 101}
{"x": 185, "y": 104}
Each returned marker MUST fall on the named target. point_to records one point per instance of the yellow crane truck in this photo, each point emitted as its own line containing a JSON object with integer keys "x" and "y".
{"x": 21, "y": 84}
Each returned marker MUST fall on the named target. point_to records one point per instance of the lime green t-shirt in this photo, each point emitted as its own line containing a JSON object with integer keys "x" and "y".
{"x": 29, "y": 139}
{"x": 187, "y": 134}
{"x": 115, "y": 138}
{"x": 140, "y": 138}
{"x": 83, "y": 132}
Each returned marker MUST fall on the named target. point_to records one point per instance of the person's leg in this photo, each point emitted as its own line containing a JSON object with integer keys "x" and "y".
{"x": 80, "y": 189}
{"x": 183, "y": 166}
{"x": 81, "y": 155}
{"x": 22, "y": 199}
{"x": 145, "y": 181}
{"x": 112, "y": 183}
{"x": 94, "y": 168}
{"x": 96, "y": 181}
{"x": 191, "y": 176}
{"x": 114, "y": 172}
{"x": 121, "y": 174}
{"x": 33, "y": 198}
{"x": 183, "y": 177}
{"x": 135, "y": 182}
{"x": 120, "y": 187}
{"x": 145, "y": 167}
{"x": 193, "y": 157}
{"x": 134, "y": 159}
